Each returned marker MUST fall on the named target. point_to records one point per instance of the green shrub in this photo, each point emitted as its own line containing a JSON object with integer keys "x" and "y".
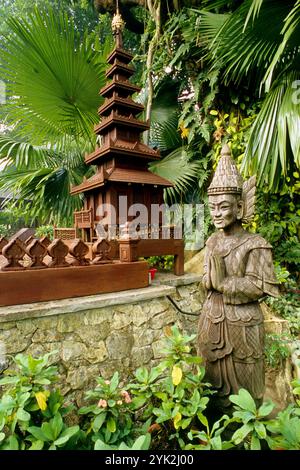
{"x": 164, "y": 407}
{"x": 162, "y": 263}
{"x": 31, "y": 414}
{"x": 277, "y": 348}
{"x": 45, "y": 231}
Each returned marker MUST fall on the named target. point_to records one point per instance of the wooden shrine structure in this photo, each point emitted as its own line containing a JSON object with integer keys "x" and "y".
{"x": 122, "y": 161}
{"x": 80, "y": 261}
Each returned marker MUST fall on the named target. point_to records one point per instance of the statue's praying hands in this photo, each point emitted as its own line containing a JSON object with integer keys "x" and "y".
{"x": 217, "y": 272}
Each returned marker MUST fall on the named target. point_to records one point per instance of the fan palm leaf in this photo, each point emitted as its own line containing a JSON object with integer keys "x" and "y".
{"x": 53, "y": 77}
{"x": 177, "y": 168}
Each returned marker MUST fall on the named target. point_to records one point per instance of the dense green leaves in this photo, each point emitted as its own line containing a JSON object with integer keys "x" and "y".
{"x": 266, "y": 55}
{"x": 53, "y": 77}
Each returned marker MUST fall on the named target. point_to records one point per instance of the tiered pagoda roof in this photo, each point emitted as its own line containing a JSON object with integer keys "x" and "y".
{"x": 120, "y": 131}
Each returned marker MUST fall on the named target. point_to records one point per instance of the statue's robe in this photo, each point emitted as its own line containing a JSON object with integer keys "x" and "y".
{"x": 231, "y": 330}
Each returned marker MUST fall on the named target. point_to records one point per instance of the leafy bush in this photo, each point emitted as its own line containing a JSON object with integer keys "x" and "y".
{"x": 109, "y": 419}
{"x": 162, "y": 408}
{"x": 277, "y": 348}
{"x": 31, "y": 415}
{"x": 45, "y": 231}
{"x": 163, "y": 263}
{"x": 5, "y": 231}
{"x": 287, "y": 306}
{"x": 173, "y": 394}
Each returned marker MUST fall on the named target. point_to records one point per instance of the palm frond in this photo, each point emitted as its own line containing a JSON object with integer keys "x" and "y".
{"x": 274, "y": 142}
{"x": 253, "y": 11}
{"x": 43, "y": 175}
{"x": 245, "y": 51}
{"x": 291, "y": 26}
{"x": 177, "y": 168}
{"x": 165, "y": 135}
{"x": 210, "y": 25}
{"x": 52, "y": 79}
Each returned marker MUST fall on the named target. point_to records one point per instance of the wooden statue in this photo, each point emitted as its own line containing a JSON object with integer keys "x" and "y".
{"x": 238, "y": 271}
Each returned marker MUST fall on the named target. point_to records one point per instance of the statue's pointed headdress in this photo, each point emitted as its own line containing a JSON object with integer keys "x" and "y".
{"x": 228, "y": 180}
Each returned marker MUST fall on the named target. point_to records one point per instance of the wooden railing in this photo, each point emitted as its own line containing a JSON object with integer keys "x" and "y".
{"x": 65, "y": 233}
{"x": 83, "y": 219}
{"x": 41, "y": 270}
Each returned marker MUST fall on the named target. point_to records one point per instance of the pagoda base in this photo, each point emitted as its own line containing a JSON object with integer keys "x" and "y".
{"x": 21, "y": 287}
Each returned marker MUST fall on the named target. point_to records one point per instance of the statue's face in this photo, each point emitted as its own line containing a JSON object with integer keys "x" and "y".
{"x": 225, "y": 209}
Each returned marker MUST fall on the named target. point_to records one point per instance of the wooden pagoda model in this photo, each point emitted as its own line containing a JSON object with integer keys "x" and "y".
{"x": 79, "y": 261}
{"x": 122, "y": 164}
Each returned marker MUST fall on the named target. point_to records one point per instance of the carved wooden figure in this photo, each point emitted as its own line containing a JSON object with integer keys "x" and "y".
{"x": 238, "y": 271}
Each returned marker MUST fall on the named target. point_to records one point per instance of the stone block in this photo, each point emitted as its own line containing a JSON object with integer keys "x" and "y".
{"x": 46, "y": 336}
{"x": 163, "y": 319}
{"x": 139, "y": 315}
{"x": 46, "y": 323}
{"x": 7, "y": 326}
{"x": 80, "y": 377}
{"x": 108, "y": 368}
{"x": 120, "y": 320}
{"x": 158, "y": 306}
{"x": 72, "y": 350}
{"x": 69, "y": 322}
{"x": 92, "y": 334}
{"x": 98, "y": 316}
{"x": 119, "y": 344}
{"x": 15, "y": 342}
{"x": 157, "y": 347}
{"x": 144, "y": 336}
{"x": 141, "y": 356}
{"x": 97, "y": 355}
{"x": 36, "y": 350}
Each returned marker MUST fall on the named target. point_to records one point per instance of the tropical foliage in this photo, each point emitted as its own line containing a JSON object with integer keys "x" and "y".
{"x": 165, "y": 407}
{"x": 53, "y": 77}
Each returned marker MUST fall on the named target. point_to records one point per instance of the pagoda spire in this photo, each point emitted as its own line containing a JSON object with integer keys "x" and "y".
{"x": 117, "y": 26}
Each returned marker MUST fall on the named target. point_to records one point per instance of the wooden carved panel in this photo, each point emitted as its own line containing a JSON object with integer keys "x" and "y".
{"x": 14, "y": 253}
{"x": 58, "y": 252}
{"x": 3, "y": 242}
{"x": 101, "y": 248}
{"x": 78, "y": 249}
{"x": 45, "y": 241}
{"x": 36, "y": 251}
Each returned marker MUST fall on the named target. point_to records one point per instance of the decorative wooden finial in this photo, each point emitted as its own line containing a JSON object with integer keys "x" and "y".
{"x": 58, "y": 252}
{"x": 37, "y": 252}
{"x": 118, "y": 25}
{"x": 14, "y": 253}
{"x": 79, "y": 250}
{"x": 101, "y": 249}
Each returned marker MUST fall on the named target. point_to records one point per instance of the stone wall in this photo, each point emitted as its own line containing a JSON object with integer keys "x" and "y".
{"x": 99, "y": 334}
{"x": 121, "y": 331}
